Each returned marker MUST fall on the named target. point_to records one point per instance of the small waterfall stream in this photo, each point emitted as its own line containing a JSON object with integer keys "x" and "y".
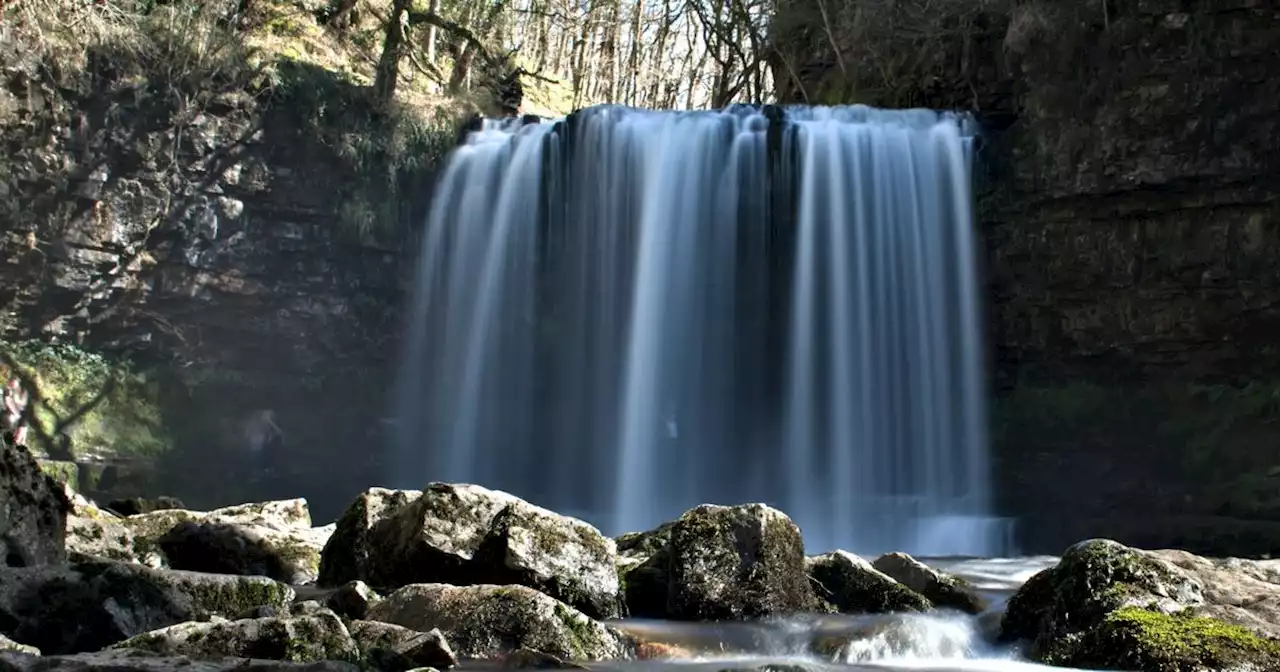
{"x": 625, "y": 313}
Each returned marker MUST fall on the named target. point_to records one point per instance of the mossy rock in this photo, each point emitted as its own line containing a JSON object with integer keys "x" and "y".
{"x": 853, "y": 586}
{"x": 1133, "y": 638}
{"x": 314, "y": 637}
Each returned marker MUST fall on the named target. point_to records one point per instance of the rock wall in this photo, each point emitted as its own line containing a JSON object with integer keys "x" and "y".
{"x": 1129, "y": 181}
{"x": 217, "y": 238}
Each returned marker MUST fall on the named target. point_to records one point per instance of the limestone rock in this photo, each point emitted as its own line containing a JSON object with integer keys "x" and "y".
{"x": 32, "y": 531}
{"x": 88, "y": 606}
{"x": 132, "y": 661}
{"x": 943, "y": 590}
{"x": 347, "y": 555}
{"x": 736, "y": 562}
{"x": 352, "y": 600}
{"x": 7, "y": 644}
{"x": 394, "y": 648}
{"x": 132, "y": 506}
{"x": 466, "y": 534}
{"x": 853, "y": 586}
{"x": 485, "y": 621}
{"x": 273, "y": 539}
{"x": 1105, "y": 605}
{"x": 314, "y": 637}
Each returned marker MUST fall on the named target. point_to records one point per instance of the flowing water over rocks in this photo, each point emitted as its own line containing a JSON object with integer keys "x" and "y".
{"x": 626, "y": 313}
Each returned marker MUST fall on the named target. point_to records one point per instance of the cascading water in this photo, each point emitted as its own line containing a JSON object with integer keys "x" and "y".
{"x": 626, "y": 313}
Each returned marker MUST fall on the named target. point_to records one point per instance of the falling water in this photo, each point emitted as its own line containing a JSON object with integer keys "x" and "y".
{"x": 626, "y": 313}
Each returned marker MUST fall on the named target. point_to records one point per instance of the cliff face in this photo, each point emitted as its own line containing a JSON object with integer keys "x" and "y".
{"x": 1129, "y": 181}
{"x": 221, "y": 241}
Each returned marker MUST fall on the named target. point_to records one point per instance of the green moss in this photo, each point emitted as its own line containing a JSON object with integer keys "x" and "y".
{"x": 1136, "y": 638}
{"x": 584, "y": 639}
{"x": 64, "y": 472}
{"x": 103, "y": 405}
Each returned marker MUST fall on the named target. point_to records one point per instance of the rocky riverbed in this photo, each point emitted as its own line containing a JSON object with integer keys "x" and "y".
{"x": 458, "y": 574}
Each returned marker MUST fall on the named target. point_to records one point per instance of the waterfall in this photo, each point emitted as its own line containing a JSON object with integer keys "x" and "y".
{"x": 625, "y": 313}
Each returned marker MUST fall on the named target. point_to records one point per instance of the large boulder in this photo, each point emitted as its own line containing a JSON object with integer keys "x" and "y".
{"x": 88, "y": 606}
{"x": 273, "y": 539}
{"x": 1105, "y": 605}
{"x": 33, "y": 527}
{"x": 350, "y": 554}
{"x": 467, "y": 535}
{"x": 735, "y": 562}
{"x": 943, "y": 590}
{"x": 853, "y": 586}
{"x": 317, "y": 636}
{"x": 484, "y": 621}
{"x": 131, "y": 661}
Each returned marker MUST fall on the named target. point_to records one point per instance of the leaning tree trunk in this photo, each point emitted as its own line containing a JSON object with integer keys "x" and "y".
{"x": 388, "y": 73}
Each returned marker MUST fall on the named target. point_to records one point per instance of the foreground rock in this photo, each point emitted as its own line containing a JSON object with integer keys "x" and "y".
{"x": 89, "y": 606}
{"x": 853, "y": 586}
{"x": 943, "y": 590}
{"x": 273, "y": 539}
{"x": 735, "y": 562}
{"x": 467, "y": 535}
{"x": 35, "y": 511}
{"x": 485, "y": 621}
{"x": 393, "y": 648}
{"x": 7, "y": 644}
{"x": 119, "y": 661}
{"x": 313, "y": 637}
{"x": 1107, "y": 606}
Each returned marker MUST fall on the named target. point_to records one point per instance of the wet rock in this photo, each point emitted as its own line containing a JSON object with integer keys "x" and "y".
{"x": 349, "y": 555}
{"x": 133, "y": 661}
{"x": 485, "y": 621}
{"x": 98, "y": 534}
{"x": 89, "y": 606}
{"x": 7, "y": 644}
{"x": 394, "y": 648}
{"x": 943, "y": 590}
{"x": 315, "y": 637}
{"x": 352, "y": 600}
{"x": 853, "y": 586}
{"x": 1105, "y": 605}
{"x": 466, "y": 535}
{"x": 736, "y": 562}
{"x": 32, "y": 531}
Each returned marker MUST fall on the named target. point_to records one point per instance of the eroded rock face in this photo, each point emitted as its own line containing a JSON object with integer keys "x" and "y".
{"x": 1105, "y": 605}
{"x": 943, "y": 590}
{"x": 486, "y": 621}
{"x": 733, "y": 562}
{"x": 466, "y": 534}
{"x": 853, "y": 586}
{"x": 7, "y": 644}
{"x": 88, "y": 606}
{"x": 32, "y": 531}
{"x": 313, "y": 637}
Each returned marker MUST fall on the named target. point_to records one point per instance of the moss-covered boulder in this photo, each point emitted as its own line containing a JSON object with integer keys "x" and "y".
{"x": 88, "y": 606}
{"x": 318, "y": 636}
{"x": 1132, "y": 638}
{"x": 273, "y": 539}
{"x": 734, "y": 562}
{"x": 852, "y": 585}
{"x": 1105, "y": 605}
{"x": 943, "y": 590}
{"x": 35, "y": 510}
{"x": 644, "y": 567}
{"x": 486, "y": 621}
{"x": 394, "y": 648}
{"x": 466, "y": 534}
{"x": 349, "y": 554}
